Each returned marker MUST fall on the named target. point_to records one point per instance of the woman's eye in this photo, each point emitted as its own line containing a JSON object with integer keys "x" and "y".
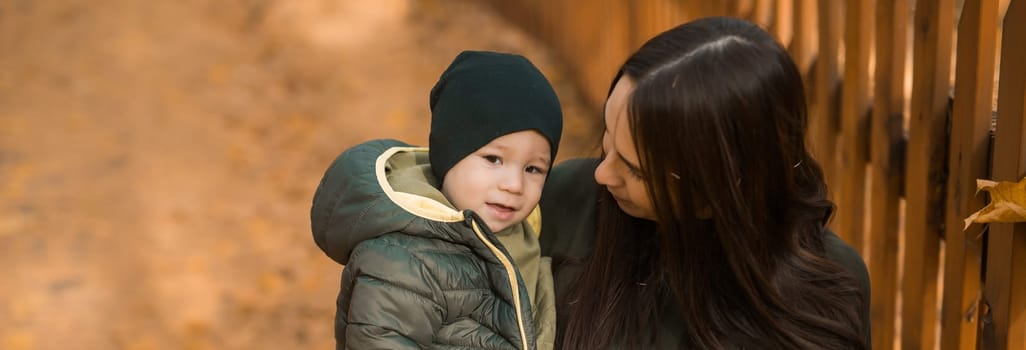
{"x": 633, "y": 172}
{"x": 493, "y": 159}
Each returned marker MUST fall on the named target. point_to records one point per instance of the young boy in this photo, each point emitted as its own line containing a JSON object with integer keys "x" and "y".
{"x": 438, "y": 247}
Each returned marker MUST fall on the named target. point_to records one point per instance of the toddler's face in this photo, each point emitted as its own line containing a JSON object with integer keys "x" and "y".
{"x": 501, "y": 181}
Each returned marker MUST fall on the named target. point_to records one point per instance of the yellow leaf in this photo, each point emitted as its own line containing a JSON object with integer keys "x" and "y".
{"x": 1007, "y": 202}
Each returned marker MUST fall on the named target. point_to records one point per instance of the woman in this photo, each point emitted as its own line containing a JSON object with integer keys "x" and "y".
{"x": 711, "y": 213}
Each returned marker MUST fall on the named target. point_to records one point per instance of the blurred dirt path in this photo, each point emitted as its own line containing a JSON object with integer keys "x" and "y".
{"x": 157, "y": 159}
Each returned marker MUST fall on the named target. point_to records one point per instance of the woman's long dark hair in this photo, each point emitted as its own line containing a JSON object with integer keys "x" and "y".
{"x": 718, "y": 116}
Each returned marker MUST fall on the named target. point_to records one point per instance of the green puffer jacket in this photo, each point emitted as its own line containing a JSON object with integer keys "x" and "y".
{"x": 418, "y": 273}
{"x": 569, "y": 203}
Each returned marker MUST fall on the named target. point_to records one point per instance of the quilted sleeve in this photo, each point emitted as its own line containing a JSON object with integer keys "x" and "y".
{"x": 389, "y": 299}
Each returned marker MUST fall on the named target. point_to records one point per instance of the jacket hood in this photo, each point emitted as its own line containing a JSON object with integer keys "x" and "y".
{"x": 355, "y": 200}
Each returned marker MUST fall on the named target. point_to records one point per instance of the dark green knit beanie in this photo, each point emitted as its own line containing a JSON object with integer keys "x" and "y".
{"x": 483, "y": 96}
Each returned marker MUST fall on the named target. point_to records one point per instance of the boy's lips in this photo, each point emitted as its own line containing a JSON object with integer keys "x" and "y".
{"x": 500, "y": 211}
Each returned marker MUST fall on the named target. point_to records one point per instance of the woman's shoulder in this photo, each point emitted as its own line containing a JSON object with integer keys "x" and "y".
{"x": 843, "y": 254}
{"x": 570, "y": 180}
{"x": 838, "y": 251}
{"x": 568, "y": 207}
{"x": 573, "y": 170}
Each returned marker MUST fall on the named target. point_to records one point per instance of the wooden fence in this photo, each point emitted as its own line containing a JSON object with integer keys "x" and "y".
{"x": 911, "y": 101}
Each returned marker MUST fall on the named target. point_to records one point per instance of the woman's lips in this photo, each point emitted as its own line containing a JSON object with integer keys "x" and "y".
{"x": 619, "y": 199}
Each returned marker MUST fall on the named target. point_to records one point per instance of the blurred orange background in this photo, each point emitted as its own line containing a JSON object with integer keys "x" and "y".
{"x": 157, "y": 159}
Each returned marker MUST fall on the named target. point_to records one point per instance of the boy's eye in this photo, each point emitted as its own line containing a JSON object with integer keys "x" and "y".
{"x": 493, "y": 159}
{"x": 535, "y": 170}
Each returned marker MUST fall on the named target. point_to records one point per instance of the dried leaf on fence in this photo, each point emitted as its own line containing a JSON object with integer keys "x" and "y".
{"x": 1007, "y": 202}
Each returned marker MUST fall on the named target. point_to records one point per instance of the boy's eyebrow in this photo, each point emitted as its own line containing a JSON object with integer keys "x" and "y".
{"x": 499, "y": 147}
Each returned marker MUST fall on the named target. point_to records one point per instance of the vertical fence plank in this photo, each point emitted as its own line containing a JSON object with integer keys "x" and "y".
{"x": 854, "y": 120}
{"x": 540, "y": 15}
{"x": 594, "y": 40}
{"x": 1005, "y": 285}
{"x": 887, "y": 167}
{"x": 783, "y": 20}
{"x": 715, "y": 8}
{"x": 638, "y": 28}
{"x": 824, "y": 119}
{"x": 968, "y": 161}
{"x": 803, "y": 45}
{"x": 613, "y": 37}
{"x": 762, "y": 14}
{"x": 970, "y": 140}
{"x": 666, "y": 19}
{"x": 924, "y": 182}
{"x": 594, "y": 45}
{"x": 924, "y": 175}
{"x": 697, "y": 9}
{"x": 743, "y": 9}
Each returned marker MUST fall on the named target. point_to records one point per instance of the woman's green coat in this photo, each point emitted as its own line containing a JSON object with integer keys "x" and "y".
{"x": 569, "y": 211}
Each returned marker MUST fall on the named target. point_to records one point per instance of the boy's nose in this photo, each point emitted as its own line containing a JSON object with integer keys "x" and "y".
{"x": 512, "y": 183}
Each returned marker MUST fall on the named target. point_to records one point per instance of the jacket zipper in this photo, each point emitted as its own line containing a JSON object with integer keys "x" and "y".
{"x": 511, "y": 275}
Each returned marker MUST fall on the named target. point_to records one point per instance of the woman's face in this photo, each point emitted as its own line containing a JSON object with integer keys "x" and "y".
{"x": 620, "y": 170}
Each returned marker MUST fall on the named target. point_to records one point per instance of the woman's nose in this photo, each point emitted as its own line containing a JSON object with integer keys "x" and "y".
{"x": 604, "y": 174}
